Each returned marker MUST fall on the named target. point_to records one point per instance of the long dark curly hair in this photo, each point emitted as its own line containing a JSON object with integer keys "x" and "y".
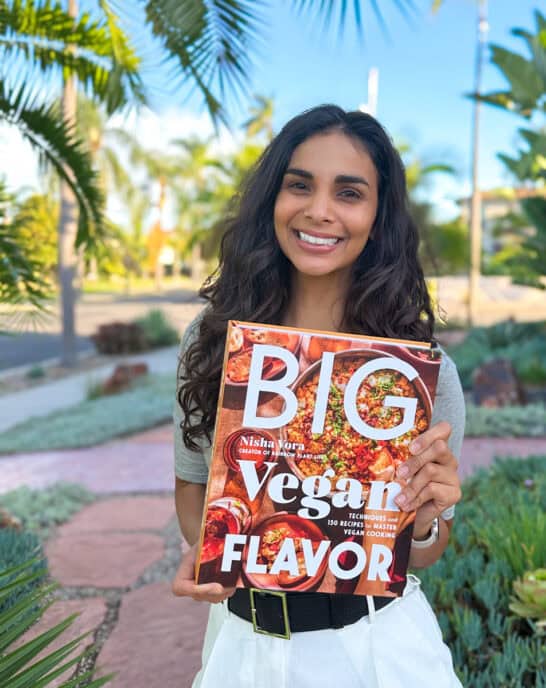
{"x": 387, "y": 298}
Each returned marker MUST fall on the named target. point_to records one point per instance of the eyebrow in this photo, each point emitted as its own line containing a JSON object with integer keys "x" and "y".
{"x": 340, "y": 179}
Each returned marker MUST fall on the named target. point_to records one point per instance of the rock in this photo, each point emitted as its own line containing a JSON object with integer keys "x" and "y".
{"x": 123, "y": 376}
{"x": 121, "y": 514}
{"x": 91, "y": 614}
{"x": 495, "y": 384}
{"x": 7, "y": 520}
{"x": 157, "y": 640}
{"x": 102, "y": 560}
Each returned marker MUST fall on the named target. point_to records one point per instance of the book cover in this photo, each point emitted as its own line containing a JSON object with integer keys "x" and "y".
{"x": 310, "y": 429}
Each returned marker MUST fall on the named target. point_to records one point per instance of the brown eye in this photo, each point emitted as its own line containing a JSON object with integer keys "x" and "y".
{"x": 350, "y": 193}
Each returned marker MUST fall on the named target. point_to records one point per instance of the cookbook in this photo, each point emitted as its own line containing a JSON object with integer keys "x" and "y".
{"x": 310, "y": 430}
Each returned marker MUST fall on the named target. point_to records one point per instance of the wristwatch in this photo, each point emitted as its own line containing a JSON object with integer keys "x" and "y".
{"x": 432, "y": 539}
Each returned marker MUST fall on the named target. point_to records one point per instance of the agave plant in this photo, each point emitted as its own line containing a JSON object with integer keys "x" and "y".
{"x": 530, "y": 597}
{"x": 19, "y": 667}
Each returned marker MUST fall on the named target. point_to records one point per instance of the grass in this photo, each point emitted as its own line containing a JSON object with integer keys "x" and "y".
{"x": 96, "y": 420}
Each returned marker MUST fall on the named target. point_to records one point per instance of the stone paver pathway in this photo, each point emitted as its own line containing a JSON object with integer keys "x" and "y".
{"x": 116, "y": 558}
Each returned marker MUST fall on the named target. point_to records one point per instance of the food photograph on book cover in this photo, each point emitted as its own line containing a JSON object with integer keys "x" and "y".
{"x": 310, "y": 430}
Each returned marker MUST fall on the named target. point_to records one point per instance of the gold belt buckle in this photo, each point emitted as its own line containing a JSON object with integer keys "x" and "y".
{"x": 284, "y": 605}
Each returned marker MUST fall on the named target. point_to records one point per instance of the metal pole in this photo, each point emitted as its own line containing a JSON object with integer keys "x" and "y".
{"x": 475, "y": 206}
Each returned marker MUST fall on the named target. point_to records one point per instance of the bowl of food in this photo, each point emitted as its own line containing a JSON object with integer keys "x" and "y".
{"x": 272, "y": 532}
{"x": 240, "y": 345}
{"x": 340, "y": 447}
{"x": 224, "y": 516}
{"x": 313, "y": 346}
{"x": 416, "y": 355}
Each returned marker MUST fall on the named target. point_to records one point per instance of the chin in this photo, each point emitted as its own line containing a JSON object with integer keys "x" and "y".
{"x": 315, "y": 270}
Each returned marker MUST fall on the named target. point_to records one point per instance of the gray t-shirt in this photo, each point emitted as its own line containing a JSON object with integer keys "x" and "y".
{"x": 193, "y": 466}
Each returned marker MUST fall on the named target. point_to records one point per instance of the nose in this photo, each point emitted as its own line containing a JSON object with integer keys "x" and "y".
{"x": 318, "y": 208}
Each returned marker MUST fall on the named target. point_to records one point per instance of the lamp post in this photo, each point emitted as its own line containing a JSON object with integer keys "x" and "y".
{"x": 373, "y": 88}
{"x": 475, "y": 205}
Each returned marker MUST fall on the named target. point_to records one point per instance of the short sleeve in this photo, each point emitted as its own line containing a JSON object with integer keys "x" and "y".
{"x": 449, "y": 404}
{"x": 188, "y": 465}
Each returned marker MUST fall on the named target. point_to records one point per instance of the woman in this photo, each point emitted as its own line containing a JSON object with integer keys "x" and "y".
{"x": 322, "y": 239}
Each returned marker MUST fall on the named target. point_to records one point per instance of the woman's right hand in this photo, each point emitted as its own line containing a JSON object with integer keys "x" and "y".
{"x": 184, "y": 584}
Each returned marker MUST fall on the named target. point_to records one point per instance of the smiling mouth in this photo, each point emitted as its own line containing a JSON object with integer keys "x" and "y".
{"x": 317, "y": 241}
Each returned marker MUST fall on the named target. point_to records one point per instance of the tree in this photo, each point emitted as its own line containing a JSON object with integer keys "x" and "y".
{"x": 418, "y": 175}
{"x": 526, "y": 97}
{"x": 21, "y": 281}
{"x": 41, "y": 43}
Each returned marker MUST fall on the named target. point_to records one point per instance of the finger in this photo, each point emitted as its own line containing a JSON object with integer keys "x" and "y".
{"x": 439, "y": 431}
{"x": 437, "y": 452}
{"x": 209, "y": 592}
{"x": 212, "y": 592}
{"x": 430, "y": 472}
{"x": 442, "y": 496}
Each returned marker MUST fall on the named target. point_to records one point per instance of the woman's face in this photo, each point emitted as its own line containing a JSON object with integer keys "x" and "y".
{"x": 327, "y": 204}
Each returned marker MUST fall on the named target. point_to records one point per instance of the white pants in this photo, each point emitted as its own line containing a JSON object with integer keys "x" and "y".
{"x": 400, "y": 646}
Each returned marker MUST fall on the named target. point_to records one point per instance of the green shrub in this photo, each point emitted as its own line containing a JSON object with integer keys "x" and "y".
{"x": 157, "y": 329}
{"x": 41, "y": 510}
{"x": 35, "y": 372}
{"x": 507, "y": 421}
{"x": 499, "y": 532}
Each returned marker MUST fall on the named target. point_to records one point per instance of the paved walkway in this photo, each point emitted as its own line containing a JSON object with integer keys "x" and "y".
{"x": 115, "y": 559}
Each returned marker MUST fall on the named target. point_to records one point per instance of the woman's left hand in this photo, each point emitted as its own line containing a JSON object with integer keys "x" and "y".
{"x": 434, "y": 483}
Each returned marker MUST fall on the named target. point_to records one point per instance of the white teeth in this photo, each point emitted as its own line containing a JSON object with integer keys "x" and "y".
{"x": 316, "y": 240}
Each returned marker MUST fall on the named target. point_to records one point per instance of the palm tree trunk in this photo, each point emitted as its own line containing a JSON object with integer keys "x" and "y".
{"x": 68, "y": 227}
{"x": 475, "y": 204}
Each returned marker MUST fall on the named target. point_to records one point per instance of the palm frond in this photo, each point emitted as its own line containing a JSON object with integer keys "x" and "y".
{"x": 334, "y": 13}
{"x": 41, "y": 33}
{"x": 208, "y": 42}
{"x": 57, "y": 145}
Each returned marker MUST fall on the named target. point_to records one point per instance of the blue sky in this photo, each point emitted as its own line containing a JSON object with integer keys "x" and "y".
{"x": 424, "y": 71}
{"x": 425, "y": 68}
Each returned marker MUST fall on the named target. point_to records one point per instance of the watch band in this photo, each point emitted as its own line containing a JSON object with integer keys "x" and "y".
{"x": 449, "y": 513}
{"x": 432, "y": 538}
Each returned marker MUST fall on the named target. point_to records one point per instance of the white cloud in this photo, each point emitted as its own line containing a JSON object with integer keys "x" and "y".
{"x": 155, "y": 131}
{"x": 18, "y": 161}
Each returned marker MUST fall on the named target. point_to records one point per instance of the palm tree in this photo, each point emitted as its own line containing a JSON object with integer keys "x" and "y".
{"x": 261, "y": 118}
{"x": 41, "y": 43}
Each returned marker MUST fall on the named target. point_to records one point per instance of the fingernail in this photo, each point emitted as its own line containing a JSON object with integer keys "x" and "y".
{"x": 415, "y": 446}
{"x": 401, "y": 500}
{"x": 403, "y": 472}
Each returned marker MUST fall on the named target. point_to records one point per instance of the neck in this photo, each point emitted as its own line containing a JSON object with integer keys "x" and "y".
{"x": 317, "y": 303}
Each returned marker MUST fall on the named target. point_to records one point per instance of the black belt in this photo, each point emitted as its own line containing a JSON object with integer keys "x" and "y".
{"x": 279, "y": 613}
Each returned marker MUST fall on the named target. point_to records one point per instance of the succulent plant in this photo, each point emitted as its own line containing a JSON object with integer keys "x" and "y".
{"x": 530, "y": 597}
